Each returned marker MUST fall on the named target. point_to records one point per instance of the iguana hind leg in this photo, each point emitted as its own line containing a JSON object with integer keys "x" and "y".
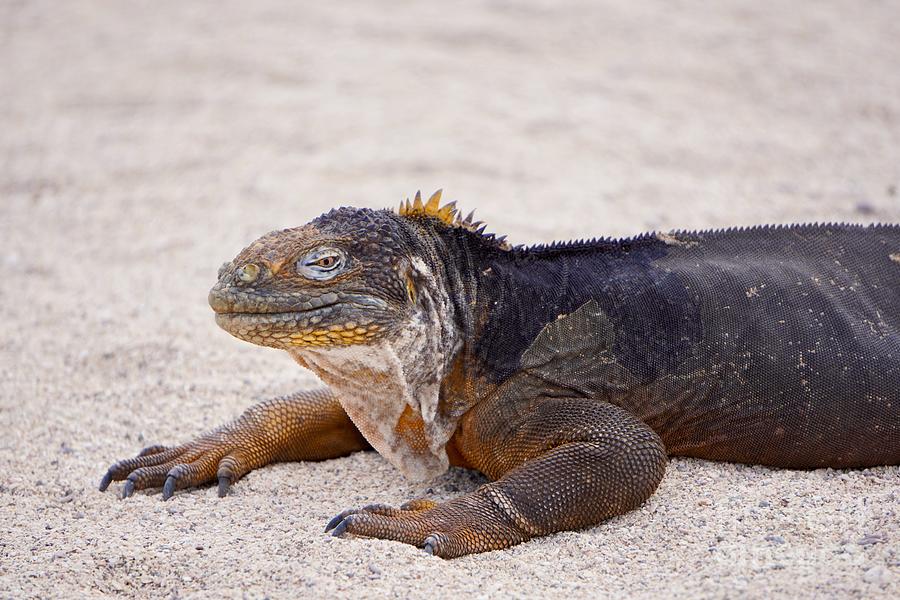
{"x": 561, "y": 463}
{"x": 308, "y": 425}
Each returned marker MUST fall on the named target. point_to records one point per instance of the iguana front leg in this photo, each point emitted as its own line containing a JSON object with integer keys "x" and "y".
{"x": 308, "y": 425}
{"x": 559, "y": 464}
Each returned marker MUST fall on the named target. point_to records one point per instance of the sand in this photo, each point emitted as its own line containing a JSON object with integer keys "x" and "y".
{"x": 144, "y": 143}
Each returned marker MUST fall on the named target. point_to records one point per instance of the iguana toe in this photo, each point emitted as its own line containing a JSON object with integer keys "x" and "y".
{"x": 224, "y": 485}
{"x": 145, "y": 477}
{"x": 341, "y": 527}
{"x": 155, "y": 449}
{"x": 382, "y": 509}
{"x": 149, "y": 457}
{"x": 231, "y": 468}
{"x": 419, "y": 505}
{"x": 336, "y": 520}
{"x": 169, "y": 487}
{"x": 434, "y": 543}
{"x": 128, "y": 489}
{"x": 408, "y": 525}
{"x": 189, "y": 474}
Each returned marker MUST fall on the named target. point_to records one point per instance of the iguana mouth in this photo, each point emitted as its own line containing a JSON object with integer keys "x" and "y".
{"x": 352, "y": 320}
{"x": 231, "y": 301}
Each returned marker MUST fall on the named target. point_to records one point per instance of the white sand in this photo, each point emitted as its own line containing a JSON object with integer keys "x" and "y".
{"x": 144, "y": 143}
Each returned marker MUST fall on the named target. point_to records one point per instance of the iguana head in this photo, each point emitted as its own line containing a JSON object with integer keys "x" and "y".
{"x": 350, "y": 277}
{"x": 343, "y": 279}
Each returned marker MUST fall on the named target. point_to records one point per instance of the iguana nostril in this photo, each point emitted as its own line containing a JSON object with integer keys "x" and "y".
{"x": 248, "y": 273}
{"x": 218, "y": 300}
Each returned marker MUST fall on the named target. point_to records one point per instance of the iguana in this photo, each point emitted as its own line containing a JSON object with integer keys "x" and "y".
{"x": 566, "y": 373}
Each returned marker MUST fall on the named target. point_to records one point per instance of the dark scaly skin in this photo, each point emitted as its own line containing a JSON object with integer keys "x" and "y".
{"x": 567, "y": 372}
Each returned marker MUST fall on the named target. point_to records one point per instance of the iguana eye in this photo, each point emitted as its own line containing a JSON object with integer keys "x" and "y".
{"x": 320, "y": 264}
{"x": 327, "y": 262}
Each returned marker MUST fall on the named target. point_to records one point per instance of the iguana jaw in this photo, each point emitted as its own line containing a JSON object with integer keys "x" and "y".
{"x": 354, "y": 319}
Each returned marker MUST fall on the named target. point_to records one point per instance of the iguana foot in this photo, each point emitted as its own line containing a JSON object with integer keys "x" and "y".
{"x": 309, "y": 425}
{"x": 466, "y": 525}
{"x": 580, "y": 462}
{"x": 210, "y": 457}
{"x": 381, "y": 509}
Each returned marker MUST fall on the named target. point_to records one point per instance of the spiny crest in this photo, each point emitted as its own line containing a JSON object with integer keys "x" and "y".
{"x": 654, "y": 237}
{"x": 449, "y": 215}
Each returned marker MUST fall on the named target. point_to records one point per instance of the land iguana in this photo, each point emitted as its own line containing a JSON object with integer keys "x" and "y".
{"x": 566, "y": 373}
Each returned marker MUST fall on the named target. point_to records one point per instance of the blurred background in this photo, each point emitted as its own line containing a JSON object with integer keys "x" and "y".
{"x": 610, "y": 117}
{"x": 144, "y": 143}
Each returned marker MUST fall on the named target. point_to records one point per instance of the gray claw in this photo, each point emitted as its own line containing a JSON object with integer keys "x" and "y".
{"x": 342, "y": 527}
{"x": 224, "y": 486}
{"x": 431, "y": 543}
{"x": 107, "y": 479}
{"x": 334, "y": 522}
{"x": 169, "y": 487}
{"x": 338, "y": 518}
{"x": 128, "y": 490}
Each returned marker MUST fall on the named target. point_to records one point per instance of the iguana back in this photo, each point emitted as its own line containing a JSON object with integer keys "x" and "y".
{"x": 768, "y": 345}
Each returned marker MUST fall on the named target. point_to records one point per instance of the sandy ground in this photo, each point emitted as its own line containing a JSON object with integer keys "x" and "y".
{"x": 144, "y": 143}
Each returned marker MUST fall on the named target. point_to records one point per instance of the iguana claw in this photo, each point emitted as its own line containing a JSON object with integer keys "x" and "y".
{"x": 224, "y": 485}
{"x": 128, "y": 490}
{"x": 169, "y": 487}
{"x": 335, "y": 521}
{"x": 430, "y": 543}
{"x": 342, "y": 526}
